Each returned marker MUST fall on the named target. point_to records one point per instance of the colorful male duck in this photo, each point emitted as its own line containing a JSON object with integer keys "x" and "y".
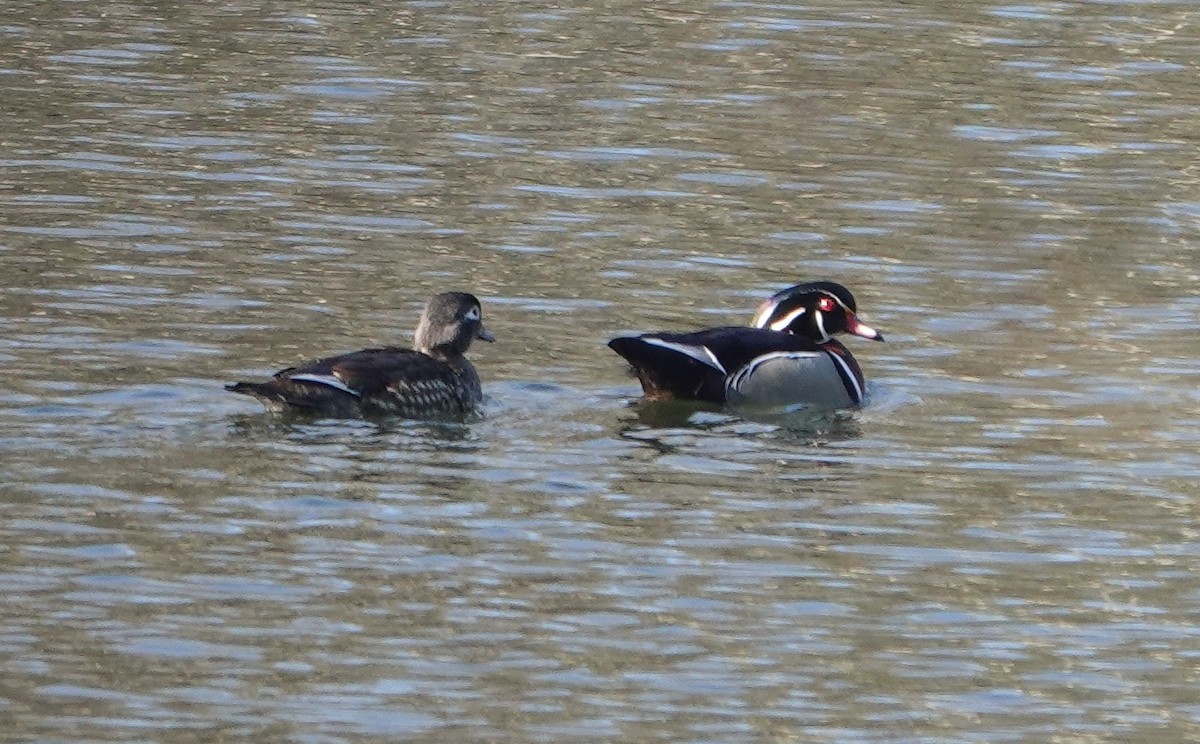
{"x": 788, "y": 357}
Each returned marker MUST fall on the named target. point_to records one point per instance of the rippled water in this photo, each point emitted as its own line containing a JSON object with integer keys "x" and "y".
{"x": 1000, "y": 547}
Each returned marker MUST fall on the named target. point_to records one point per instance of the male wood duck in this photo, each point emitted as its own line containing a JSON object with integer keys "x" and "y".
{"x": 434, "y": 380}
{"x": 788, "y": 357}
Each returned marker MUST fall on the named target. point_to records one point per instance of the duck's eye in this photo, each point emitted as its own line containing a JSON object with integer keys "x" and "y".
{"x": 472, "y": 314}
{"x": 826, "y": 304}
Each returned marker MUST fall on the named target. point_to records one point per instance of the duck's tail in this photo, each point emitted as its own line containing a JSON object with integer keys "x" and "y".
{"x": 271, "y": 393}
{"x": 257, "y": 389}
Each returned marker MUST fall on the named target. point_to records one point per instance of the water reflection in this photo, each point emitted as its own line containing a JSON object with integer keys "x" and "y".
{"x": 655, "y": 418}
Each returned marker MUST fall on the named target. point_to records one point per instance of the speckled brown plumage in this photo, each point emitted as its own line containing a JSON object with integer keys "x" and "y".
{"x": 435, "y": 380}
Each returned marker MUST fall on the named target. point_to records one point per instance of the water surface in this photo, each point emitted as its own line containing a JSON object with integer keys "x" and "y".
{"x": 1001, "y": 547}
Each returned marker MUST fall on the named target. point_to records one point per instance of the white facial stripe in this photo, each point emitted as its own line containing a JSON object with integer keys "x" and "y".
{"x": 472, "y": 314}
{"x": 701, "y": 354}
{"x": 820, "y": 318}
{"x": 327, "y": 380}
{"x": 764, "y": 314}
{"x": 835, "y": 298}
{"x": 786, "y": 320}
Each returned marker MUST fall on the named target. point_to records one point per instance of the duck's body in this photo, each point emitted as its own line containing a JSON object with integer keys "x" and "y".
{"x": 789, "y": 357}
{"x": 432, "y": 381}
{"x": 372, "y": 382}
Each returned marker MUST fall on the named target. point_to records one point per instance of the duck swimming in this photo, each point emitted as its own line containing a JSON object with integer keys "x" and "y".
{"x": 433, "y": 380}
{"x": 788, "y": 356}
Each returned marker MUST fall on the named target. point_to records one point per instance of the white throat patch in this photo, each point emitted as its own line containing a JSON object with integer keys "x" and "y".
{"x": 820, "y": 318}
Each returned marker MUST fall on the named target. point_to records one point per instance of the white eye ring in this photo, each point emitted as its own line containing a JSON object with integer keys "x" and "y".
{"x": 472, "y": 314}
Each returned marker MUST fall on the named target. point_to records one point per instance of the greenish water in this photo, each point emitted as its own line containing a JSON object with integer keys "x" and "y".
{"x": 1001, "y": 547}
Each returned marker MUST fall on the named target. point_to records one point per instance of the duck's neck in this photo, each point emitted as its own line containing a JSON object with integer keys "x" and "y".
{"x": 447, "y": 354}
{"x": 455, "y": 359}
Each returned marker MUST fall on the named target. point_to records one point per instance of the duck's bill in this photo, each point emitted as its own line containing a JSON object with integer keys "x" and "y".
{"x": 853, "y": 325}
{"x": 485, "y": 335}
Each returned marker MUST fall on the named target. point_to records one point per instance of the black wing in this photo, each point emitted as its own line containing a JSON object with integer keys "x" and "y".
{"x": 668, "y": 371}
{"x": 693, "y": 366}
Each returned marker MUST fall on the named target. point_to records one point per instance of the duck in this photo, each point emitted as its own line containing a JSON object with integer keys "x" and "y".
{"x": 434, "y": 380}
{"x": 788, "y": 356}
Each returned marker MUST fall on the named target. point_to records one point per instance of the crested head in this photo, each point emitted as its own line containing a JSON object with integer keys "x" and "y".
{"x": 816, "y": 310}
{"x": 450, "y": 322}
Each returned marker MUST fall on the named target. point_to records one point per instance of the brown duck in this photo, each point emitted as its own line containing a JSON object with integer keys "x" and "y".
{"x": 435, "y": 380}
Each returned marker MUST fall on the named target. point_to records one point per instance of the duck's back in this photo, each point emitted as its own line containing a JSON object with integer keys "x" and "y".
{"x": 388, "y": 380}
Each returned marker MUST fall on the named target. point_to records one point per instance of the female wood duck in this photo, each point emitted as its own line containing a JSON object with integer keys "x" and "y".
{"x": 788, "y": 357}
{"x": 435, "y": 380}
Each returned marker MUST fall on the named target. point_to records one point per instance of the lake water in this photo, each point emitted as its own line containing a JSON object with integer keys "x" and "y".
{"x": 1002, "y": 546}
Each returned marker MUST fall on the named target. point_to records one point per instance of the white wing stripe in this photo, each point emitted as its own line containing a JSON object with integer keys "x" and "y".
{"x": 763, "y": 314}
{"x": 701, "y": 354}
{"x": 327, "y": 380}
{"x": 821, "y": 327}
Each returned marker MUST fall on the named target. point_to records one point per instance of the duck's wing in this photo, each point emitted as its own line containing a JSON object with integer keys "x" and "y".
{"x": 670, "y": 366}
{"x": 390, "y": 380}
{"x": 418, "y": 385}
{"x": 695, "y": 365}
{"x": 687, "y": 366}
{"x": 348, "y": 382}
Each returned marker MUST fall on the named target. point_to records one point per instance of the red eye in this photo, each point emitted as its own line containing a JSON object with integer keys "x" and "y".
{"x": 825, "y": 305}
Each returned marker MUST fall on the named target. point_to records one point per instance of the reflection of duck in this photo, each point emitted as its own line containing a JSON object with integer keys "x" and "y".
{"x": 433, "y": 380}
{"x": 789, "y": 356}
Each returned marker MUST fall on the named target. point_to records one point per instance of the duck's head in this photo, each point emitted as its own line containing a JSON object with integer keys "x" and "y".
{"x": 816, "y": 310}
{"x": 450, "y": 322}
